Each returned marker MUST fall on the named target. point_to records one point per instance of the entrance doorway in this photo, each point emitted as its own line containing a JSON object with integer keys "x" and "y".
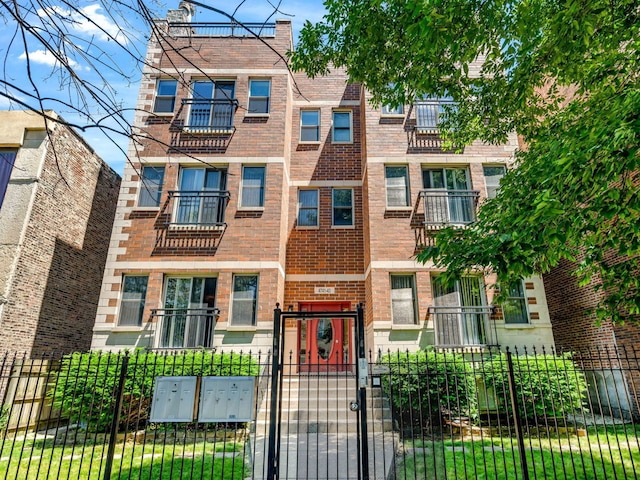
{"x": 324, "y": 344}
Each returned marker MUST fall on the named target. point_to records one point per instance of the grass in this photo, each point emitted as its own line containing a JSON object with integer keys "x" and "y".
{"x": 38, "y": 459}
{"x": 603, "y": 453}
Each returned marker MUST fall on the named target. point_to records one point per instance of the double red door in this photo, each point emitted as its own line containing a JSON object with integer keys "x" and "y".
{"x": 324, "y": 343}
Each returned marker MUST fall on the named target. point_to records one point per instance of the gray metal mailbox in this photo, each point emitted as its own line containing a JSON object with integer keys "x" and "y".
{"x": 226, "y": 399}
{"x": 173, "y": 399}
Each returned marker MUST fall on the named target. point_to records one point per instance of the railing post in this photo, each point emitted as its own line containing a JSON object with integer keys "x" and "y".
{"x": 116, "y": 418}
{"x": 517, "y": 420}
{"x": 362, "y": 373}
{"x": 273, "y": 454}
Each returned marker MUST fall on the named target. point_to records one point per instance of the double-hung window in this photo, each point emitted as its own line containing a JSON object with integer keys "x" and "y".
{"x": 165, "y": 96}
{"x": 492, "y": 176}
{"x": 7, "y": 159}
{"x": 134, "y": 292}
{"x": 245, "y": 300}
{"x": 310, "y": 125}
{"x": 307, "y": 208}
{"x": 388, "y": 110}
{"x": 403, "y": 299}
{"x": 514, "y": 307}
{"x": 151, "y": 180}
{"x": 397, "y": 183}
{"x": 342, "y": 207}
{"x": 252, "y": 187}
{"x": 341, "y": 127}
{"x": 259, "y": 93}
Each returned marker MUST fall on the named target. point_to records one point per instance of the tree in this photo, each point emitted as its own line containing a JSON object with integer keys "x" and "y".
{"x": 564, "y": 75}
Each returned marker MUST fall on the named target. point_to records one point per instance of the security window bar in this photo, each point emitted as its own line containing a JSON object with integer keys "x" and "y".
{"x": 342, "y": 207}
{"x": 134, "y": 292}
{"x": 341, "y": 127}
{"x": 397, "y": 183}
{"x": 165, "y": 101}
{"x": 245, "y": 300}
{"x": 514, "y": 308}
{"x": 310, "y": 125}
{"x": 403, "y": 300}
{"x": 253, "y": 187}
{"x": 189, "y": 314}
{"x": 151, "y": 181}
{"x": 259, "y": 93}
{"x": 307, "y": 208}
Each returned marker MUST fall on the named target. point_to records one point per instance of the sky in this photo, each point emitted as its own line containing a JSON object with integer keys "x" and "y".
{"x": 101, "y": 43}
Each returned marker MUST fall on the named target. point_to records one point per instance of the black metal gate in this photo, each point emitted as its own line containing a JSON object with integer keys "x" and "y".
{"x": 326, "y": 437}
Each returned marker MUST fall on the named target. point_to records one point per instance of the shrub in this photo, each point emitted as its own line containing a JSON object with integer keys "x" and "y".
{"x": 427, "y": 385}
{"x": 545, "y": 385}
{"x": 85, "y": 387}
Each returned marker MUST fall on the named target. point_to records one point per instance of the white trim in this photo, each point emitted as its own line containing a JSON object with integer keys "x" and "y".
{"x": 401, "y": 265}
{"x": 229, "y": 72}
{"x": 326, "y": 183}
{"x": 212, "y": 161}
{"x": 186, "y": 266}
{"x": 326, "y": 103}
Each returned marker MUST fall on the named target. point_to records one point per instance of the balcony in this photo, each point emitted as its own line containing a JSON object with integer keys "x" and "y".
{"x": 181, "y": 328}
{"x": 463, "y": 326}
{"x": 208, "y": 115}
{"x": 448, "y": 207}
{"x": 191, "y": 222}
{"x": 209, "y": 29}
{"x": 429, "y": 113}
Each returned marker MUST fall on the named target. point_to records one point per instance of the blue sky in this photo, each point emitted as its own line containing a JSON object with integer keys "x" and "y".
{"x": 90, "y": 46}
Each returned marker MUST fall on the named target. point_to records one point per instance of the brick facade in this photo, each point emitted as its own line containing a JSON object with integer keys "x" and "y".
{"x": 332, "y": 262}
{"x": 55, "y": 223}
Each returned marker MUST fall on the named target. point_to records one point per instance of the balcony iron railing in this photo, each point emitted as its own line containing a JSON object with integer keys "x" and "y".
{"x": 207, "y": 115}
{"x": 429, "y": 113}
{"x": 197, "y": 208}
{"x": 457, "y": 326}
{"x": 449, "y": 207}
{"x": 206, "y": 29}
{"x": 181, "y": 328}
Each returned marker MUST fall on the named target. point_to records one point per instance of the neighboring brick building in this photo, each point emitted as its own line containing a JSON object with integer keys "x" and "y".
{"x": 270, "y": 187}
{"x": 57, "y": 204}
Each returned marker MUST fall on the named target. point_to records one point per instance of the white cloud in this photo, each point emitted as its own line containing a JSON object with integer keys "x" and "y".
{"x": 88, "y": 22}
{"x": 45, "y": 57}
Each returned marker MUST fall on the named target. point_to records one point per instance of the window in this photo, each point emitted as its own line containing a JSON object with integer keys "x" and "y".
{"x": 212, "y": 105}
{"x": 403, "y": 299}
{"x": 165, "y": 96}
{"x": 389, "y": 110}
{"x": 134, "y": 292}
{"x": 341, "y": 127}
{"x": 430, "y": 111}
{"x": 514, "y": 308}
{"x": 397, "y": 182}
{"x": 7, "y": 159}
{"x": 342, "y": 207}
{"x": 252, "y": 187}
{"x": 492, "y": 176}
{"x": 259, "y": 96}
{"x": 447, "y": 197}
{"x": 151, "y": 182}
{"x": 188, "y": 318}
{"x": 307, "y": 208}
{"x": 310, "y": 125}
{"x": 245, "y": 300}
{"x": 201, "y": 199}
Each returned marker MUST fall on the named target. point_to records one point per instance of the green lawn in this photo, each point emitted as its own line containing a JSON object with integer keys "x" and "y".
{"x": 602, "y": 454}
{"x": 36, "y": 459}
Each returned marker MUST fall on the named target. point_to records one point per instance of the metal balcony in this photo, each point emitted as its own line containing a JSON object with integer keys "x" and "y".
{"x": 429, "y": 113}
{"x": 196, "y": 209}
{"x": 459, "y": 326}
{"x": 212, "y": 29}
{"x": 448, "y": 207}
{"x": 207, "y": 115}
{"x": 181, "y": 328}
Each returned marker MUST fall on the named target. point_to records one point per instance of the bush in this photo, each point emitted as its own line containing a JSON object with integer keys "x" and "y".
{"x": 85, "y": 387}
{"x": 428, "y": 385}
{"x": 546, "y": 385}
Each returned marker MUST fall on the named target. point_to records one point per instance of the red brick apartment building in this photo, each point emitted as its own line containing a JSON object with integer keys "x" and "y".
{"x": 57, "y": 204}
{"x": 271, "y": 187}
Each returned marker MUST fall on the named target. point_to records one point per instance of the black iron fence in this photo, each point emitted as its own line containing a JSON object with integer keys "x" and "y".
{"x": 438, "y": 414}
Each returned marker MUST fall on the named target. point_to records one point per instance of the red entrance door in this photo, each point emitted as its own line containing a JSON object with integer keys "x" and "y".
{"x": 325, "y": 341}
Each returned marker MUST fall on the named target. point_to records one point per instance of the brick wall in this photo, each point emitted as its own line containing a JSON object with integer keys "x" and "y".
{"x": 54, "y": 293}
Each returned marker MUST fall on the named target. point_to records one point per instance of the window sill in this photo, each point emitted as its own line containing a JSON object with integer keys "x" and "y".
{"x": 162, "y": 114}
{"x": 344, "y": 227}
{"x": 406, "y": 208}
{"x": 518, "y": 326}
{"x": 257, "y": 115}
{"x": 240, "y": 328}
{"x": 314, "y": 227}
{"x": 250, "y": 209}
{"x": 392, "y": 115}
{"x": 121, "y": 329}
{"x": 314, "y": 142}
{"x": 350, "y": 142}
{"x": 399, "y": 326}
{"x": 146, "y": 209}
